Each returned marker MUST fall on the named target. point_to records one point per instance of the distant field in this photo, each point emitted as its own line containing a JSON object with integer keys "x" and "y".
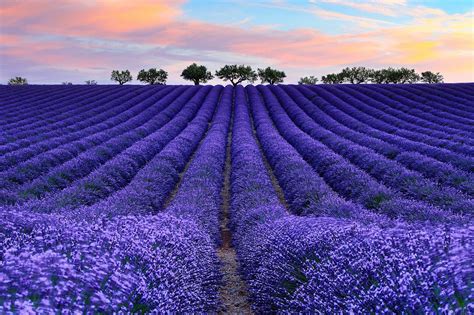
{"x": 286, "y": 198}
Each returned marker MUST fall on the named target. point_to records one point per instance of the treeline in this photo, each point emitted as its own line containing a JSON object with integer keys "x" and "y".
{"x": 198, "y": 74}
{"x": 357, "y": 75}
{"x": 237, "y": 74}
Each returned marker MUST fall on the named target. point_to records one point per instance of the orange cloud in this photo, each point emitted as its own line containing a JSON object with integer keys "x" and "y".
{"x": 109, "y": 18}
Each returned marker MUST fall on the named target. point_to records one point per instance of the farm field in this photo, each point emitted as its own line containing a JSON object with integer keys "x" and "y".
{"x": 264, "y": 199}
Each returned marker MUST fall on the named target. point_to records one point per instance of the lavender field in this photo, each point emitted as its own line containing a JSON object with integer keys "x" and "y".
{"x": 322, "y": 198}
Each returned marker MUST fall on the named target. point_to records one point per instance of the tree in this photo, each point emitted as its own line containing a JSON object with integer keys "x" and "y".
{"x": 308, "y": 80}
{"x": 431, "y": 77}
{"x": 332, "y": 78}
{"x": 405, "y": 75}
{"x": 121, "y": 76}
{"x": 66, "y": 83}
{"x": 356, "y": 75}
{"x": 271, "y": 76}
{"x": 197, "y": 74}
{"x": 393, "y": 75}
{"x": 153, "y": 76}
{"x": 399, "y": 76}
{"x": 18, "y": 81}
{"x": 91, "y": 82}
{"x": 236, "y": 74}
{"x": 379, "y": 76}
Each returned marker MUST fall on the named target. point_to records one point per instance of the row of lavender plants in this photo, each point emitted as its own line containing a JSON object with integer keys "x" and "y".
{"x": 343, "y": 177}
{"x": 375, "y": 106}
{"x": 326, "y": 264}
{"x": 350, "y": 129}
{"x": 384, "y": 131}
{"x": 51, "y": 119}
{"x": 118, "y": 257}
{"x": 100, "y": 110}
{"x": 386, "y": 171}
{"x": 76, "y": 159}
{"x": 41, "y": 101}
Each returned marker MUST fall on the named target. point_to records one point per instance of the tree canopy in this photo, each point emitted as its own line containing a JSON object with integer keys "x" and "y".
{"x": 431, "y": 77}
{"x": 356, "y": 75}
{"x": 332, "y": 78}
{"x": 153, "y": 76}
{"x": 18, "y": 81}
{"x": 236, "y": 74}
{"x": 401, "y": 75}
{"x": 197, "y": 74}
{"x": 308, "y": 80}
{"x": 121, "y": 77}
{"x": 271, "y": 76}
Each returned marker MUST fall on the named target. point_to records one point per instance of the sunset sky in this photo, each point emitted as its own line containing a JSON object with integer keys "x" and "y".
{"x": 55, "y": 41}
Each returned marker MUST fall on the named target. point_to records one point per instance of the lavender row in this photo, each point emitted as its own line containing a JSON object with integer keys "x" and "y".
{"x": 34, "y": 100}
{"x": 253, "y": 197}
{"x": 199, "y": 195}
{"x": 73, "y": 144}
{"x": 427, "y": 166}
{"x": 460, "y": 90}
{"x": 96, "y": 110}
{"x": 393, "y": 105}
{"x": 462, "y": 145}
{"x": 430, "y": 111}
{"x": 139, "y": 264}
{"x": 56, "y": 109}
{"x": 356, "y": 120}
{"x": 388, "y": 172}
{"x": 410, "y": 131}
{"x": 439, "y": 99}
{"x": 343, "y": 177}
{"x": 72, "y": 164}
{"x": 149, "y": 188}
{"x": 10, "y": 95}
{"x": 119, "y": 171}
{"x": 301, "y": 264}
{"x": 133, "y": 264}
{"x": 305, "y": 191}
{"x": 327, "y": 265}
{"x": 28, "y": 148}
{"x": 43, "y": 126}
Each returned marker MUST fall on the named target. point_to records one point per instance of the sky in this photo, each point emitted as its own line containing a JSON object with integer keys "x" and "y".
{"x": 50, "y": 42}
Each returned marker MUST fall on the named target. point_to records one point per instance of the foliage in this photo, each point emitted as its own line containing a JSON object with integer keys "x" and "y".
{"x": 236, "y": 74}
{"x": 308, "y": 80}
{"x": 121, "y": 77}
{"x": 91, "y": 82}
{"x": 66, "y": 83}
{"x": 18, "y": 81}
{"x": 271, "y": 76}
{"x": 197, "y": 74}
{"x": 379, "y": 76}
{"x": 153, "y": 76}
{"x": 401, "y": 76}
{"x": 431, "y": 77}
{"x": 356, "y": 75}
{"x": 332, "y": 78}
